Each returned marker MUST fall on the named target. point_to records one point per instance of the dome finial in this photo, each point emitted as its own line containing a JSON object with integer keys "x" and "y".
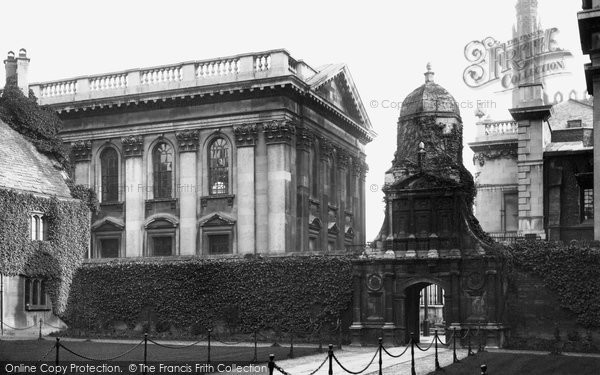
{"x": 429, "y": 73}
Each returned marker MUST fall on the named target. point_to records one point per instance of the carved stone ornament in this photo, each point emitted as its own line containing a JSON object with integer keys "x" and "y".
{"x": 481, "y": 157}
{"x": 327, "y": 149}
{"x": 245, "y": 135}
{"x": 278, "y": 132}
{"x": 304, "y": 139}
{"x": 374, "y": 282}
{"x": 187, "y": 140}
{"x": 343, "y": 158}
{"x": 82, "y": 150}
{"x": 133, "y": 145}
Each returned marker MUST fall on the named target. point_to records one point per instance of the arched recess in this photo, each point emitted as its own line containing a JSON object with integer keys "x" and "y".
{"x": 218, "y": 168}
{"x": 102, "y": 178}
{"x": 161, "y": 169}
{"x": 419, "y": 302}
{"x": 162, "y": 235}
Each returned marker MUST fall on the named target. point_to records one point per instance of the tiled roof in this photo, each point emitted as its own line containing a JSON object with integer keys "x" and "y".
{"x": 23, "y": 168}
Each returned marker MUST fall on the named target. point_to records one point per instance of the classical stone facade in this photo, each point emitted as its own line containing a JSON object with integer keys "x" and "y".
{"x": 247, "y": 154}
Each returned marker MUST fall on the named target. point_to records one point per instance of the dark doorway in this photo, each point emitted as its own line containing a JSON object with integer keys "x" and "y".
{"x": 424, "y": 310}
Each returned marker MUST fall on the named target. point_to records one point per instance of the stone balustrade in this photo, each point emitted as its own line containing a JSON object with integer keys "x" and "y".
{"x": 490, "y": 130}
{"x": 172, "y": 77}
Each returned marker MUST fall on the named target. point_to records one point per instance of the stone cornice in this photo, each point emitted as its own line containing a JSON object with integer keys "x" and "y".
{"x": 82, "y": 151}
{"x": 246, "y": 135}
{"x": 187, "y": 140}
{"x": 133, "y": 146}
{"x": 278, "y": 132}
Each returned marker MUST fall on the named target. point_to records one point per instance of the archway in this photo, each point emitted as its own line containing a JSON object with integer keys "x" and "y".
{"x": 425, "y": 309}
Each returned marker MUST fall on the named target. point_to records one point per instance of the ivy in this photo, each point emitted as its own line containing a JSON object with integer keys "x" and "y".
{"x": 54, "y": 259}
{"x": 570, "y": 270}
{"x": 283, "y": 293}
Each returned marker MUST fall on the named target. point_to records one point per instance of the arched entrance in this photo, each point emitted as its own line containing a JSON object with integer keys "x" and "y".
{"x": 424, "y": 307}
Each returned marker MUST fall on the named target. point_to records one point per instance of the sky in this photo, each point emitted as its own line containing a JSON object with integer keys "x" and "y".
{"x": 386, "y": 45}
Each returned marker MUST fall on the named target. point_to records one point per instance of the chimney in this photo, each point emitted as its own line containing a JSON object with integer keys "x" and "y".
{"x": 16, "y": 70}
{"x": 10, "y": 65}
{"x": 22, "y": 71}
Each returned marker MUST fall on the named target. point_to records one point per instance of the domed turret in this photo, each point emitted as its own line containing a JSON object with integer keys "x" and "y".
{"x": 431, "y": 116}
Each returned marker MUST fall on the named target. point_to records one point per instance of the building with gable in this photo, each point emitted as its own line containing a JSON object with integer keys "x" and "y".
{"x": 246, "y": 154}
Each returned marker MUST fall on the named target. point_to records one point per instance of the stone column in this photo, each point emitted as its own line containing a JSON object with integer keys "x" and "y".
{"x": 278, "y": 137}
{"x": 304, "y": 140}
{"x": 188, "y": 191}
{"x": 326, "y": 154}
{"x": 342, "y": 164}
{"x": 531, "y": 115}
{"x": 357, "y": 326}
{"x": 245, "y": 139}
{"x": 356, "y": 206}
{"x": 133, "y": 148}
{"x": 82, "y": 155}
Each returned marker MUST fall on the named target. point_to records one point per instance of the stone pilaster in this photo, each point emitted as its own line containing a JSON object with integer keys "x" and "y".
{"x": 134, "y": 195}
{"x": 326, "y": 154}
{"x": 82, "y": 155}
{"x": 278, "y": 138}
{"x": 188, "y": 190}
{"x": 304, "y": 141}
{"x": 531, "y": 115}
{"x": 245, "y": 140}
{"x": 342, "y": 160}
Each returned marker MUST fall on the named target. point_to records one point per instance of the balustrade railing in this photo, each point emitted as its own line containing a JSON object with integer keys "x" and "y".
{"x": 217, "y": 68}
{"x": 58, "y": 88}
{"x": 108, "y": 82}
{"x": 501, "y": 127}
{"x": 160, "y": 75}
{"x": 262, "y": 62}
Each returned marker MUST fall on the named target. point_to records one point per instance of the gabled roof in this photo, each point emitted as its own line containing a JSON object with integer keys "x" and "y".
{"x": 348, "y": 91}
{"x": 24, "y": 168}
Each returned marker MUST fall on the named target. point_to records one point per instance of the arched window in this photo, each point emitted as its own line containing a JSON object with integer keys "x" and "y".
{"x": 109, "y": 165}
{"x": 218, "y": 167}
{"x": 162, "y": 157}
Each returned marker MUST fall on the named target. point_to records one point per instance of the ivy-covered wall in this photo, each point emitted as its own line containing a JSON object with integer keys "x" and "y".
{"x": 554, "y": 290}
{"x": 55, "y": 259}
{"x": 281, "y": 293}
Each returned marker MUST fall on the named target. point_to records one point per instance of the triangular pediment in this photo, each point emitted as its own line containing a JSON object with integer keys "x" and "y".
{"x": 314, "y": 223}
{"x": 334, "y": 84}
{"x": 216, "y": 220}
{"x": 108, "y": 224}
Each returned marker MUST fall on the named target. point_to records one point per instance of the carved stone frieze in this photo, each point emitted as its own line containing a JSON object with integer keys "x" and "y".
{"x": 187, "y": 140}
{"x": 245, "y": 135}
{"x": 133, "y": 145}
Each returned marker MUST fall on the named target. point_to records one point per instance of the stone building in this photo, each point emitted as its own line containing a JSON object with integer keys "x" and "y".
{"x": 28, "y": 179}
{"x": 533, "y": 171}
{"x": 589, "y": 32}
{"x": 253, "y": 153}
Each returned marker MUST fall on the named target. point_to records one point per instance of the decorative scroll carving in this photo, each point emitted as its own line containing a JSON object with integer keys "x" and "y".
{"x": 133, "y": 145}
{"x": 187, "y": 140}
{"x": 360, "y": 169}
{"x": 343, "y": 158}
{"x": 82, "y": 150}
{"x": 481, "y": 157}
{"x": 278, "y": 132}
{"x": 327, "y": 149}
{"x": 304, "y": 139}
{"x": 245, "y": 135}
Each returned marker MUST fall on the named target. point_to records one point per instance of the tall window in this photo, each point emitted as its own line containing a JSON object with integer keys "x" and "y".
{"x": 511, "y": 213}
{"x": 587, "y": 204}
{"x": 163, "y": 170}
{"x": 109, "y": 165}
{"x": 39, "y": 227}
{"x": 218, "y": 167}
{"x": 35, "y": 294}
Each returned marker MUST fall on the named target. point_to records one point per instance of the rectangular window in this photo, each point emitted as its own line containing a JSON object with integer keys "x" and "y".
{"x": 162, "y": 246}
{"x": 574, "y": 124}
{"x": 218, "y": 244}
{"x": 35, "y": 295}
{"x": 39, "y": 227}
{"x": 109, "y": 248}
{"x": 511, "y": 213}
{"x": 587, "y": 204}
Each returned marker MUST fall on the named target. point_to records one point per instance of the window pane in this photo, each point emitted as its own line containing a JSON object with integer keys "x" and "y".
{"x": 35, "y": 300}
{"x": 27, "y": 292}
{"x": 588, "y": 204}
{"x": 109, "y": 162}
{"x": 163, "y": 170}
{"x": 511, "y": 214}
{"x": 162, "y": 246}
{"x": 218, "y": 244}
{"x": 42, "y": 293}
{"x": 109, "y": 248}
{"x": 218, "y": 164}
{"x": 36, "y": 226}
